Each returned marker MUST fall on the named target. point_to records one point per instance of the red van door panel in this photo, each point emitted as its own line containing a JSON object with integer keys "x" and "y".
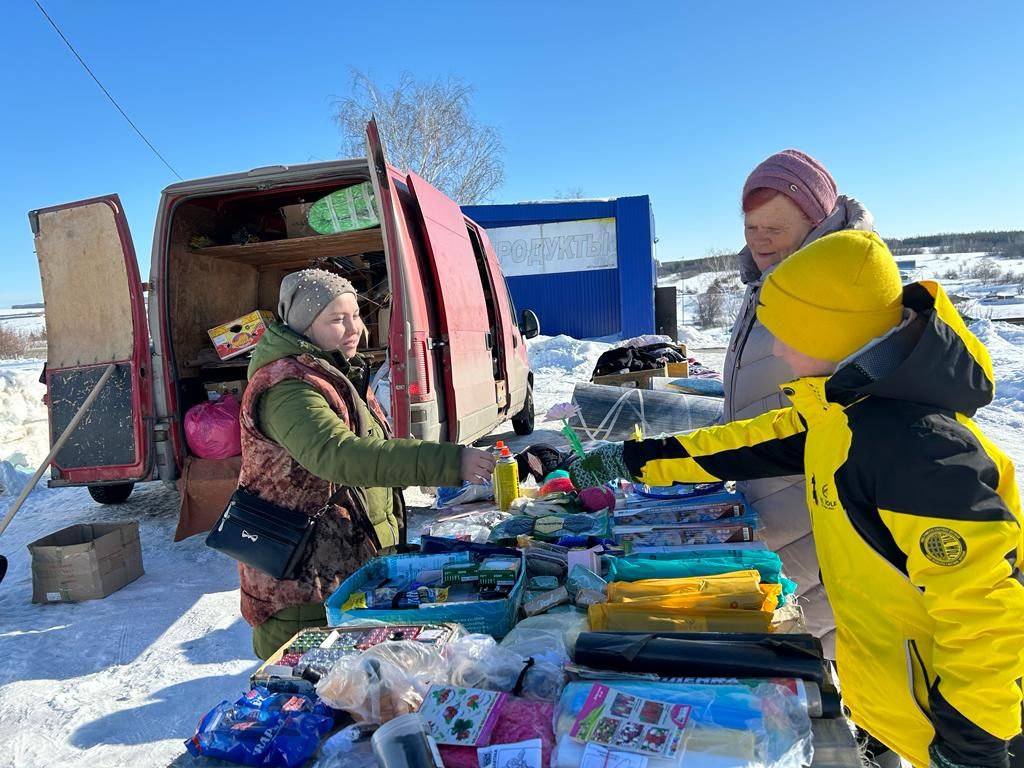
{"x": 468, "y": 364}
{"x": 95, "y": 315}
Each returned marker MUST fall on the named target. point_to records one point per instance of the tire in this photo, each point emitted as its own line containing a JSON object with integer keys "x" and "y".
{"x": 111, "y": 494}
{"x": 523, "y": 421}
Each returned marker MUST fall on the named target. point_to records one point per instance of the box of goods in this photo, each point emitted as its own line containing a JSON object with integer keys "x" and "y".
{"x": 85, "y": 562}
{"x": 320, "y": 647}
{"x": 461, "y": 573}
{"x": 217, "y": 389}
{"x": 417, "y": 572}
{"x": 295, "y": 222}
{"x": 345, "y": 210}
{"x": 499, "y": 572}
{"x": 240, "y": 335}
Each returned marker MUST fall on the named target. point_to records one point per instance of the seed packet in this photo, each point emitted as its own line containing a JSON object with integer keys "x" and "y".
{"x": 461, "y": 716}
{"x": 619, "y": 720}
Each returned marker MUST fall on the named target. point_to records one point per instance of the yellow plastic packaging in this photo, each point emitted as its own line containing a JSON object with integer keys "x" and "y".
{"x": 740, "y": 589}
{"x": 643, "y": 617}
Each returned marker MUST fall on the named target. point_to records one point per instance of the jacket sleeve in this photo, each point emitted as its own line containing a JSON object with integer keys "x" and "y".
{"x": 769, "y": 445}
{"x": 946, "y": 511}
{"x": 296, "y": 416}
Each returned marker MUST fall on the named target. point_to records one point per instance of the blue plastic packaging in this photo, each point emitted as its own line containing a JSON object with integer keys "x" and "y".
{"x": 263, "y": 729}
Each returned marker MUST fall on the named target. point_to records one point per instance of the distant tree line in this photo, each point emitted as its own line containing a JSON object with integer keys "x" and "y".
{"x": 1001, "y": 245}
{"x": 1007, "y": 244}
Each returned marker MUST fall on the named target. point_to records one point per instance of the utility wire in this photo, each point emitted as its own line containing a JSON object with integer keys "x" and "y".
{"x": 105, "y": 91}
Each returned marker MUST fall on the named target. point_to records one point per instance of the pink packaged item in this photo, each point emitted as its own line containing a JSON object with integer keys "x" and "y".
{"x": 519, "y": 720}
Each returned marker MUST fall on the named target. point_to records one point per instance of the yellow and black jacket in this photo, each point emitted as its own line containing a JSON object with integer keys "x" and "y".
{"x": 917, "y": 522}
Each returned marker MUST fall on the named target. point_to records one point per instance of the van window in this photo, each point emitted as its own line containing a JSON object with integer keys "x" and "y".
{"x": 492, "y": 320}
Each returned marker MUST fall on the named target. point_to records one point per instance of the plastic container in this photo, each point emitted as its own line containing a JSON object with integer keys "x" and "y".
{"x": 506, "y": 480}
{"x": 405, "y": 742}
{"x": 489, "y": 617}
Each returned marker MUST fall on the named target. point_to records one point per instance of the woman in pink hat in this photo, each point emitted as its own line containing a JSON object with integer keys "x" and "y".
{"x": 789, "y": 200}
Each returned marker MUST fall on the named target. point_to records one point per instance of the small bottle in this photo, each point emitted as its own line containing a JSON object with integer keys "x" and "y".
{"x": 506, "y": 480}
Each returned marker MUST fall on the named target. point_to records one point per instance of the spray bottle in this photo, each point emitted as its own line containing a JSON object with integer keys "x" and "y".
{"x": 506, "y": 480}
{"x": 497, "y": 449}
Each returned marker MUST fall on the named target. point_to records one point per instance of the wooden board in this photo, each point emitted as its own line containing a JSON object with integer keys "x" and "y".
{"x": 297, "y": 252}
{"x": 633, "y": 380}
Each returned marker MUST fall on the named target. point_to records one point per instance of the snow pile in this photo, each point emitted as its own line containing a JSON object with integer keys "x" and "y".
{"x": 1005, "y": 344}
{"x": 709, "y": 338}
{"x": 558, "y": 362}
{"x": 23, "y": 419}
{"x": 14, "y": 474}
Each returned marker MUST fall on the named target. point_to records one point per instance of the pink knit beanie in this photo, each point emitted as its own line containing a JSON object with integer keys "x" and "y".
{"x": 799, "y": 177}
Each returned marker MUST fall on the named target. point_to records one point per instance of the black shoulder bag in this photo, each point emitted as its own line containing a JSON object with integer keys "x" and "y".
{"x": 262, "y": 535}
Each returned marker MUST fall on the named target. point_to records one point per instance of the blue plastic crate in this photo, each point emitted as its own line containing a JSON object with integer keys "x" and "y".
{"x": 489, "y": 617}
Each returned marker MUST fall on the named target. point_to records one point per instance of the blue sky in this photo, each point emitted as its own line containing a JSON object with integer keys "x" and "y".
{"x": 915, "y": 107}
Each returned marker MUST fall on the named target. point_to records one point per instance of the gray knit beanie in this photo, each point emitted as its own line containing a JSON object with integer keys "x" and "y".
{"x": 305, "y": 294}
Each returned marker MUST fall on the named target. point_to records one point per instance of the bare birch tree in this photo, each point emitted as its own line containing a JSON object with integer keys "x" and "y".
{"x": 427, "y": 128}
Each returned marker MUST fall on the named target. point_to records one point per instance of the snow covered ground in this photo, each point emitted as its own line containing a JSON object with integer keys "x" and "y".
{"x": 123, "y": 681}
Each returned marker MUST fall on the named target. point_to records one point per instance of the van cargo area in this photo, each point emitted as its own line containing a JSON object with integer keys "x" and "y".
{"x": 227, "y": 256}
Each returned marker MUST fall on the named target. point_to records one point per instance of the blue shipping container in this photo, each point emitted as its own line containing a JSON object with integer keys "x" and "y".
{"x": 579, "y": 279}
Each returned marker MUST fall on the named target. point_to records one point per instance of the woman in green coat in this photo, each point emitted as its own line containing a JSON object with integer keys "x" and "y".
{"x": 311, "y": 428}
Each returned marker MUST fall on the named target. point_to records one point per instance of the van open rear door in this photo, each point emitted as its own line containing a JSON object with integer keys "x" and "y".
{"x": 95, "y": 315}
{"x": 467, "y": 338}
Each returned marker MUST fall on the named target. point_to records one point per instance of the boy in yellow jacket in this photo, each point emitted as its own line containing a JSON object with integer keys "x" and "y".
{"x": 916, "y": 515}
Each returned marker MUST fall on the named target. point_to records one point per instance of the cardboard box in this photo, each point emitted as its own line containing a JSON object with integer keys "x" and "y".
{"x": 205, "y": 487}
{"x": 295, "y": 222}
{"x": 634, "y": 380}
{"x": 85, "y": 562}
{"x": 241, "y": 334}
{"x": 217, "y": 389}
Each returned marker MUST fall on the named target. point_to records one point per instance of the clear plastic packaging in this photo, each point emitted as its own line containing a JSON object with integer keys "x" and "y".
{"x": 348, "y": 748}
{"x": 477, "y": 661}
{"x": 731, "y": 726}
{"x": 551, "y": 636}
{"x": 383, "y": 682}
{"x": 463, "y": 494}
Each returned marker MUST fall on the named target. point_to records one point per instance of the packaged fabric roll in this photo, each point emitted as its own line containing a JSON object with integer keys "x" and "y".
{"x": 677, "y": 565}
{"x": 705, "y": 654}
{"x": 644, "y": 616}
{"x": 718, "y": 584}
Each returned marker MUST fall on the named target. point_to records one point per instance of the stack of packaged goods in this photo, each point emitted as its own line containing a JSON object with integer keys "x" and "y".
{"x": 555, "y": 626}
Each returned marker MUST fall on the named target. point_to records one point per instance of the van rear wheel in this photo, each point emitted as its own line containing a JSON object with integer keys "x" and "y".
{"x": 111, "y": 494}
{"x": 523, "y": 421}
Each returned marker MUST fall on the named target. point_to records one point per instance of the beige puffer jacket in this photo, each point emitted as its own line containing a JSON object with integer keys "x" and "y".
{"x": 752, "y": 377}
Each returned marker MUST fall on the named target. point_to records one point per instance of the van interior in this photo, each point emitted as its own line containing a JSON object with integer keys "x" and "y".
{"x": 227, "y": 256}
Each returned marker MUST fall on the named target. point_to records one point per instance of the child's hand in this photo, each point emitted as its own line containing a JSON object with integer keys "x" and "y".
{"x": 602, "y": 465}
{"x": 476, "y": 466}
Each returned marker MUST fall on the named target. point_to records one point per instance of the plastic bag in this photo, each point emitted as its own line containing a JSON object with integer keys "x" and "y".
{"x": 263, "y": 728}
{"x": 731, "y": 725}
{"x": 551, "y": 636}
{"x": 348, "y": 748}
{"x": 464, "y": 494}
{"x": 477, "y": 661}
{"x": 213, "y": 429}
{"x": 384, "y": 681}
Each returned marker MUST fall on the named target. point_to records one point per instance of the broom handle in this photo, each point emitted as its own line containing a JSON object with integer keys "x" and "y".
{"x": 64, "y": 436}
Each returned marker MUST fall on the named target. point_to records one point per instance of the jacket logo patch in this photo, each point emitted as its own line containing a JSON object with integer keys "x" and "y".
{"x": 826, "y": 501}
{"x": 943, "y": 546}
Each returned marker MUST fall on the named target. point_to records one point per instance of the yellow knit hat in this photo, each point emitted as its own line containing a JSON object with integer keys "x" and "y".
{"x": 832, "y": 297}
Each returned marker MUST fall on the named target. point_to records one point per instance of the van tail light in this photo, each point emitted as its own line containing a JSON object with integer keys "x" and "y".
{"x": 419, "y": 378}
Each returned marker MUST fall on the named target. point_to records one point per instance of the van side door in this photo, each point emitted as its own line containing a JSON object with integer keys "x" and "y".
{"x": 467, "y": 341}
